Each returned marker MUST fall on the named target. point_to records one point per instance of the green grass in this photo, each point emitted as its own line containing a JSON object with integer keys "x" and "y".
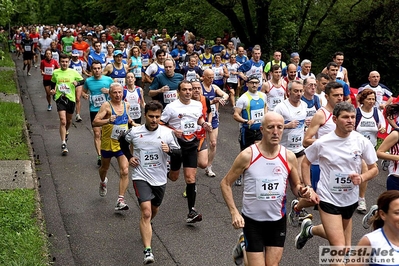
{"x": 7, "y": 82}
{"x": 13, "y": 144}
{"x": 22, "y": 242}
{"x": 7, "y": 61}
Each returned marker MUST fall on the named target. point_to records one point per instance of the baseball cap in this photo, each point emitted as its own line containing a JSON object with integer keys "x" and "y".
{"x": 252, "y": 77}
{"x": 160, "y": 40}
{"x": 75, "y": 53}
{"x": 294, "y": 54}
{"x": 136, "y": 39}
{"x": 91, "y": 34}
{"x": 118, "y": 52}
{"x": 180, "y": 43}
{"x": 207, "y": 46}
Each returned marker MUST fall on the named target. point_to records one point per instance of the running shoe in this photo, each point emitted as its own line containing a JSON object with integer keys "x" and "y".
{"x": 294, "y": 217}
{"x": 64, "y": 149}
{"x": 184, "y": 194}
{"x": 49, "y": 107}
{"x": 304, "y": 235}
{"x": 362, "y": 208}
{"x": 99, "y": 160}
{"x": 121, "y": 205}
{"x": 148, "y": 256}
{"x": 209, "y": 172}
{"x": 238, "y": 182}
{"x": 29, "y": 74}
{"x": 194, "y": 217}
{"x": 103, "y": 188}
{"x": 36, "y": 65}
{"x": 78, "y": 118}
{"x": 304, "y": 215}
{"x": 385, "y": 164}
{"x": 238, "y": 253}
{"x": 367, "y": 219}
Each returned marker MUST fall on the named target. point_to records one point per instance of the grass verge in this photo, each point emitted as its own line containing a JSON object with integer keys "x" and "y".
{"x": 7, "y": 82}
{"x": 13, "y": 144}
{"x": 22, "y": 243}
{"x": 7, "y": 61}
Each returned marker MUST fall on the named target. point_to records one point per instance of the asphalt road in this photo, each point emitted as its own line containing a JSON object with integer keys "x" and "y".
{"x": 84, "y": 229}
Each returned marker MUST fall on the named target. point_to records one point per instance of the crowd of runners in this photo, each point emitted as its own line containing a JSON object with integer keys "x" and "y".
{"x": 297, "y": 128}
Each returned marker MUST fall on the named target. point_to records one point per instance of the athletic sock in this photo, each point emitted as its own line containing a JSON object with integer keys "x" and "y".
{"x": 310, "y": 231}
{"x": 191, "y": 192}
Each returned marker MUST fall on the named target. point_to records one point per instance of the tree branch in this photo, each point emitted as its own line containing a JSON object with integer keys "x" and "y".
{"x": 228, "y": 11}
{"x": 316, "y": 30}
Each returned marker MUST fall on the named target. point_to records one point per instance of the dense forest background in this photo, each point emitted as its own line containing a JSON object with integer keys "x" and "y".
{"x": 365, "y": 30}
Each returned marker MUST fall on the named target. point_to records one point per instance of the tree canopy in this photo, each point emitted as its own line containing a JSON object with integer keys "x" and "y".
{"x": 365, "y": 30}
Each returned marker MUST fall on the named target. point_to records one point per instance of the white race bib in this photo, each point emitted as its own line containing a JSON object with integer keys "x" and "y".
{"x": 294, "y": 140}
{"x": 56, "y": 56}
{"x": 120, "y": 81}
{"x": 145, "y": 61}
{"x": 135, "y": 111}
{"x": 213, "y": 110}
{"x": 78, "y": 69}
{"x": 64, "y": 88}
{"x": 137, "y": 72}
{"x": 48, "y": 71}
{"x": 268, "y": 189}
{"x": 27, "y": 48}
{"x": 257, "y": 115}
{"x": 150, "y": 158}
{"x": 68, "y": 48}
{"x": 117, "y": 130}
{"x": 340, "y": 183}
{"x": 169, "y": 96}
{"x": 188, "y": 125}
{"x": 98, "y": 100}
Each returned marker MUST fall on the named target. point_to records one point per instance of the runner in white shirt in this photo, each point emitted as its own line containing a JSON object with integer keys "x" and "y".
{"x": 232, "y": 81}
{"x": 320, "y": 125}
{"x": 152, "y": 145}
{"x": 293, "y": 109}
{"x": 340, "y": 154}
{"x": 184, "y": 116}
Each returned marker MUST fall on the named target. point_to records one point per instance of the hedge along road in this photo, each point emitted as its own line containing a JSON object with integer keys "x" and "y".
{"x": 84, "y": 229}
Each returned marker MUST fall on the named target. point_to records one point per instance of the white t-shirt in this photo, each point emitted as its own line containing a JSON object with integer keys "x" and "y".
{"x": 339, "y": 157}
{"x": 184, "y": 117}
{"x": 153, "y": 68}
{"x": 292, "y": 137}
{"x": 147, "y": 147}
{"x": 44, "y": 44}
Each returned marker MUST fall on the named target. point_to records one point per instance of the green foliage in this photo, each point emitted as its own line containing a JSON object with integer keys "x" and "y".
{"x": 7, "y": 82}
{"x": 365, "y": 30}
{"x": 21, "y": 239}
{"x": 7, "y": 9}
{"x": 12, "y": 140}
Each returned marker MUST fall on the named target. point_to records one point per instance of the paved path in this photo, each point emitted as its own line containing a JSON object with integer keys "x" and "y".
{"x": 83, "y": 228}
